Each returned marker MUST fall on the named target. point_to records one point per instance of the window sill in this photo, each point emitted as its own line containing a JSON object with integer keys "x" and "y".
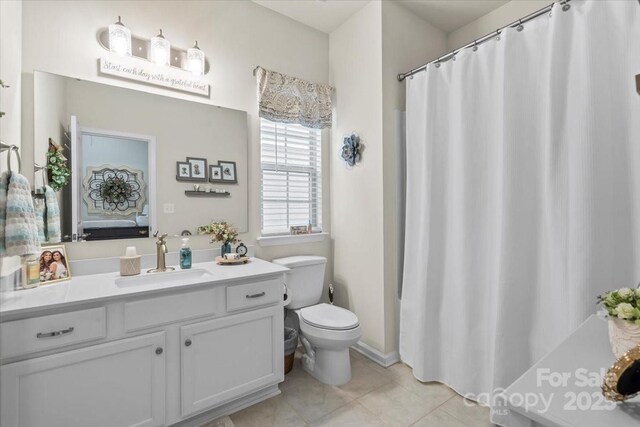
{"x": 291, "y": 240}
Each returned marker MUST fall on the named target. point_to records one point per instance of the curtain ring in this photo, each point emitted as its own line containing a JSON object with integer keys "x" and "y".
{"x": 498, "y": 35}
{"x": 566, "y": 6}
{"x": 520, "y": 27}
{"x": 437, "y": 64}
{"x": 475, "y": 45}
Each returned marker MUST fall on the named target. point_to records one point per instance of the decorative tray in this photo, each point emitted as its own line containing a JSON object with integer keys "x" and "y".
{"x": 241, "y": 260}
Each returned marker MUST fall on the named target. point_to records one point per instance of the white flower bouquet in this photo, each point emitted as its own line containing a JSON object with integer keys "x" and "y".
{"x": 220, "y": 232}
{"x": 623, "y": 307}
{"x": 623, "y": 304}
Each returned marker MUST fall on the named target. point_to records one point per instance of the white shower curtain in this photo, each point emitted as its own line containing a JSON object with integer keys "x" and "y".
{"x": 523, "y": 193}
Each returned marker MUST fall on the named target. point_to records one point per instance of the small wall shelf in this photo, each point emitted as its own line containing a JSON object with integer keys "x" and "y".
{"x": 191, "y": 193}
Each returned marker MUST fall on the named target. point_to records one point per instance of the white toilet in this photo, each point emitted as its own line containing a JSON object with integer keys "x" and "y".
{"x": 327, "y": 331}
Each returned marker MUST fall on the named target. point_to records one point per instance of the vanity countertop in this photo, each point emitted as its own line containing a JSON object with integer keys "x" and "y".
{"x": 563, "y": 388}
{"x": 102, "y": 287}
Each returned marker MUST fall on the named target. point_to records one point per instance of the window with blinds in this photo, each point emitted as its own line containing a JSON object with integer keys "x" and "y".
{"x": 291, "y": 181}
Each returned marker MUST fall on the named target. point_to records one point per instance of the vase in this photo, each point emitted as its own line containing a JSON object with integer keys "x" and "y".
{"x": 225, "y": 249}
{"x": 623, "y": 335}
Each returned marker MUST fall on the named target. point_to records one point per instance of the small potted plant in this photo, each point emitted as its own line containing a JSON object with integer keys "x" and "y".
{"x": 623, "y": 307}
{"x": 221, "y": 232}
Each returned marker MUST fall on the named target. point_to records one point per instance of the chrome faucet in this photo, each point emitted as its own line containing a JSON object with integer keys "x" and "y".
{"x": 161, "y": 249}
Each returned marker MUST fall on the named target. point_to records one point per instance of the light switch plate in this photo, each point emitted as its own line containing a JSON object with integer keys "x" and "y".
{"x": 169, "y": 208}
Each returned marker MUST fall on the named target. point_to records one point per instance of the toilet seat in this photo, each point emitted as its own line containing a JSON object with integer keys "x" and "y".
{"x": 326, "y": 316}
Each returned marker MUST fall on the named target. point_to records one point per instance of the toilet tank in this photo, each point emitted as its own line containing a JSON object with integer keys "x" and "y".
{"x": 304, "y": 280}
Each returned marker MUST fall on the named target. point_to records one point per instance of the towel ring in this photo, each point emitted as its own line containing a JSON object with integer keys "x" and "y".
{"x": 13, "y": 148}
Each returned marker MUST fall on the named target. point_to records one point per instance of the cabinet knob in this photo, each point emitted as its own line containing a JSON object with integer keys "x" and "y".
{"x": 159, "y": 350}
{"x": 187, "y": 342}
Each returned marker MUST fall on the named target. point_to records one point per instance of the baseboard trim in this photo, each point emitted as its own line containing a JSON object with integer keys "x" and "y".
{"x": 382, "y": 359}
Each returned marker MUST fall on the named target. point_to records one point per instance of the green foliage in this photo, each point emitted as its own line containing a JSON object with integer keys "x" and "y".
{"x": 220, "y": 232}
{"x": 58, "y": 170}
{"x": 623, "y": 303}
{"x": 115, "y": 190}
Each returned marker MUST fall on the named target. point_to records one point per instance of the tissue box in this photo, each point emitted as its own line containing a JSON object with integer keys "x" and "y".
{"x": 129, "y": 265}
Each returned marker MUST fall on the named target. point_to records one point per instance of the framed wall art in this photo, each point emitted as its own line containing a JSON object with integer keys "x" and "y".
{"x": 215, "y": 173}
{"x": 183, "y": 171}
{"x": 198, "y": 168}
{"x": 228, "y": 172}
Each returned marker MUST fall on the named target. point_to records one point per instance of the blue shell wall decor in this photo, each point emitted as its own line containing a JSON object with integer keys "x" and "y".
{"x": 351, "y": 151}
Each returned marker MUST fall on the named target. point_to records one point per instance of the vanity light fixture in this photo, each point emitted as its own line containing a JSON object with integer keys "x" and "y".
{"x": 119, "y": 38}
{"x": 160, "y": 50}
{"x": 195, "y": 60}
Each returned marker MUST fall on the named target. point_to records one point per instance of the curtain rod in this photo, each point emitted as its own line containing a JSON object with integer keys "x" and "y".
{"x": 515, "y": 24}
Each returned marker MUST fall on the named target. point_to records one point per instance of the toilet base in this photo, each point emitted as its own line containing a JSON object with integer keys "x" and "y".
{"x": 332, "y": 367}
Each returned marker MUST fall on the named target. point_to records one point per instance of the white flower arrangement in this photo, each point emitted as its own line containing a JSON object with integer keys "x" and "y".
{"x": 623, "y": 303}
{"x": 220, "y": 232}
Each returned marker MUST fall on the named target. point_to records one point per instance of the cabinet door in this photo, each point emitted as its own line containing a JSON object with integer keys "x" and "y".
{"x": 117, "y": 384}
{"x": 226, "y": 358}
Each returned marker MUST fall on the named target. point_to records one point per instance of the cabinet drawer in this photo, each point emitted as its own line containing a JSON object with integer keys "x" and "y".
{"x": 254, "y": 294}
{"x": 47, "y": 332}
{"x": 157, "y": 311}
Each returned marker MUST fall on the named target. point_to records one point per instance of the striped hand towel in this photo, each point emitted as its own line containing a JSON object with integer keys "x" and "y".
{"x": 20, "y": 230}
{"x": 53, "y": 215}
{"x": 39, "y": 207}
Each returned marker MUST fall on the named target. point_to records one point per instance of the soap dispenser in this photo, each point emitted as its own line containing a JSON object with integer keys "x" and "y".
{"x": 185, "y": 254}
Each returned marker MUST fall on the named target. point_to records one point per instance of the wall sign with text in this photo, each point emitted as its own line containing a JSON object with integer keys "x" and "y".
{"x": 150, "y": 73}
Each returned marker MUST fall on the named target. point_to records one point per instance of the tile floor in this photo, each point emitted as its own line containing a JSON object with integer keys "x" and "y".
{"x": 375, "y": 396}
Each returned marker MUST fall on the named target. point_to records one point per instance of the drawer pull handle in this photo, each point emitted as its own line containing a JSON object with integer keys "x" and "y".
{"x": 54, "y": 333}
{"x": 187, "y": 342}
{"x": 159, "y": 351}
{"x": 261, "y": 294}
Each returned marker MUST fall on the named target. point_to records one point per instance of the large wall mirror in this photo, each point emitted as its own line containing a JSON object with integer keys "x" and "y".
{"x": 123, "y": 148}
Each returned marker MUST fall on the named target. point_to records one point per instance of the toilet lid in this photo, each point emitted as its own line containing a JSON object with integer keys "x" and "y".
{"x": 328, "y": 316}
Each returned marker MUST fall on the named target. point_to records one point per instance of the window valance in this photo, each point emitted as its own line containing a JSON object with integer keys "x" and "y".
{"x": 288, "y": 99}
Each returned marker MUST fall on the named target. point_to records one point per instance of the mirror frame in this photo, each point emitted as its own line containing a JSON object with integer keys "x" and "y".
{"x": 610, "y": 381}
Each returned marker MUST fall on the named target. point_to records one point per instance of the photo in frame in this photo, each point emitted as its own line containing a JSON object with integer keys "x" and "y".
{"x": 53, "y": 265}
{"x": 215, "y": 173}
{"x": 183, "y": 171}
{"x": 228, "y": 171}
{"x": 198, "y": 168}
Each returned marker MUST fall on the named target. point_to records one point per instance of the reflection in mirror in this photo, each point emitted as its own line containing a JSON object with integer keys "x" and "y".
{"x": 115, "y": 186}
{"x": 122, "y": 144}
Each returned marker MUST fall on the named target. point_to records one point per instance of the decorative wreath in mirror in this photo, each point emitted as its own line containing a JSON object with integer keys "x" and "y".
{"x": 114, "y": 190}
{"x": 351, "y": 151}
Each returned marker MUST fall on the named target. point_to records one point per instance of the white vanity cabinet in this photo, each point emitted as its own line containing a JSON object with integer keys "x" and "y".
{"x": 120, "y": 383}
{"x": 158, "y": 359}
{"x": 228, "y": 357}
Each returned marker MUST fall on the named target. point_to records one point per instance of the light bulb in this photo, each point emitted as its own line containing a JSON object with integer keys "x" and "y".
{"x": 119, "y": 38}
{"x": 160, "y": 50}
{"x": 195, "y": 60}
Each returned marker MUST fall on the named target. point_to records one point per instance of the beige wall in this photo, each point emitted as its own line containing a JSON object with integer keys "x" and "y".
{"x": 10, "y": 66}
{"x": 407, "y": 42}
{"x": 366, "y": 53}
{"x": 235, "y": 35}
{"x": 356, "y": 194}
{"x": 498, "y": 18}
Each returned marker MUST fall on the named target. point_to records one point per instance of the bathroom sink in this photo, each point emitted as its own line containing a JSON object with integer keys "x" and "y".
{"x": 176, "y": 277}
